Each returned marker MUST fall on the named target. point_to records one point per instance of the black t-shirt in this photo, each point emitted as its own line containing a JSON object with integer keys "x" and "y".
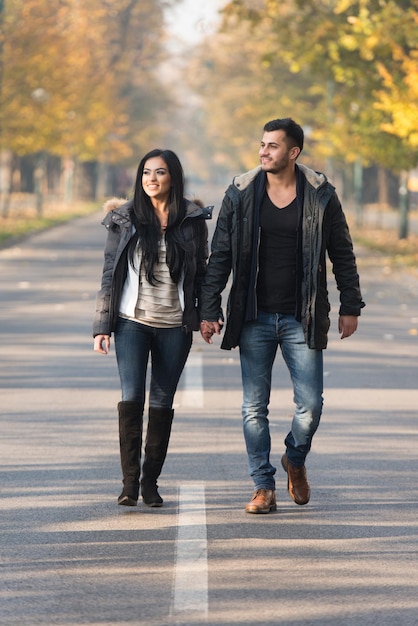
{"x": 276, "y": 284}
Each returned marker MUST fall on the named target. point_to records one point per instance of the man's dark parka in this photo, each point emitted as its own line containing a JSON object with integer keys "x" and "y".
{"x": 322, "y": 230}
{"x": 118, "y": 222}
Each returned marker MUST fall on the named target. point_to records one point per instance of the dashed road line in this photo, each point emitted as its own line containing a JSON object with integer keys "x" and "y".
{"x": 190, "y": 594}
{"x": 193, "y": 394}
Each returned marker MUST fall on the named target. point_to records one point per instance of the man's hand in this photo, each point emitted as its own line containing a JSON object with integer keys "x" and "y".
{"x": 347, "y": 325}
{"x": 207, "y": 329}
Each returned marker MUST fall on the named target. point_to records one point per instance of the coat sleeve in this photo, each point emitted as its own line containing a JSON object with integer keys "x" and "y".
{"x": 219, "y": 265}
{"x": 202, "y": 254}
{"x": 101, "y": 322}
{"x": 341, "y": 254}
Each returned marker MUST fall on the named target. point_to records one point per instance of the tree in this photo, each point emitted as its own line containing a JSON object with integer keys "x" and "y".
{"x": 366, "y": 52}
{"x": 241, "y": 84}
{"x": 345, "y": 68}
{"x": 80, "y": 77}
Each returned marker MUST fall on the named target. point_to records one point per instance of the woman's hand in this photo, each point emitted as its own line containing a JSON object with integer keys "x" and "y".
{"x": 102, "y": 344}
{"x": 347, "y": 325}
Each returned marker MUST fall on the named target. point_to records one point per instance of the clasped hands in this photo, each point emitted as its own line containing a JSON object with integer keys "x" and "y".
{"x": 207, "y": 329}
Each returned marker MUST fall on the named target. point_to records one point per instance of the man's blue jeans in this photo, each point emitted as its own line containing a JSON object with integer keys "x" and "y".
{"x": 258, "y": 346}
{"x": 169, "y": 349}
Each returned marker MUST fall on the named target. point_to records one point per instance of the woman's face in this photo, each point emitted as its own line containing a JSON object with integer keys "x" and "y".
{"x": 156, "y": 179}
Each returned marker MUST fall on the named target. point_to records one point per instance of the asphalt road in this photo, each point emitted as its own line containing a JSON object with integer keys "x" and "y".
{"x": 71, "y": 556}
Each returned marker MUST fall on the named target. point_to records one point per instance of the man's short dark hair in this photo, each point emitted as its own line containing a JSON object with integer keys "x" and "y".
{"x": 293, "y": 131}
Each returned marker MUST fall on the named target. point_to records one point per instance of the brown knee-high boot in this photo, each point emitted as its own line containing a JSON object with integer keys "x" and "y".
{"x": 158, "y": 436}
{"x": 130, "y": 440}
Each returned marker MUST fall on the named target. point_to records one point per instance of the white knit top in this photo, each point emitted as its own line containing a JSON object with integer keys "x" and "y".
{"x": 158, "y": 305}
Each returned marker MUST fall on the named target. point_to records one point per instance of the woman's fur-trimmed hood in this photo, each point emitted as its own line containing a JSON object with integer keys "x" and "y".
{"x": 114, "y": 203}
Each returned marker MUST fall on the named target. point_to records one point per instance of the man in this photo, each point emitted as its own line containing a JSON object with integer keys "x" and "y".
{"x": 276, "y": 225}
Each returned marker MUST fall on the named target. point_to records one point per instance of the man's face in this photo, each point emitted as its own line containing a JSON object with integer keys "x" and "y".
{"x": 274, "y": 153}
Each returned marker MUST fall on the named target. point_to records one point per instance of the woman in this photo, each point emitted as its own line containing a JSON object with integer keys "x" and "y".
{"x": 155, "y": 259}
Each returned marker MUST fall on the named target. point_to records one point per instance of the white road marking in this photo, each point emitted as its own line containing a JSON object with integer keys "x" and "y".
{"x": 191, "y": 567}
{"x": 193, "y": 383}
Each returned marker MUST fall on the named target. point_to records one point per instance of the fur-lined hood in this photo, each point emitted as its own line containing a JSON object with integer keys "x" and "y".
{"x": 114, "y": 203}
{"x": 316, "y": 179}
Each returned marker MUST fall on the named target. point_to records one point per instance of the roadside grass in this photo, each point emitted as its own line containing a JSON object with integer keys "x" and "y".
{"x": 23, "y": 221}
{"x": 396, "y": 253}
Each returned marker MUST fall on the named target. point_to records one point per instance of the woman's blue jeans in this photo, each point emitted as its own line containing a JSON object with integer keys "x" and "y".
{"x": 258, "y": 346}
{"x": 169, "y": 349}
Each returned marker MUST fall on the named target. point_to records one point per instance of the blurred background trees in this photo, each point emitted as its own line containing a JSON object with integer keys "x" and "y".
{"x": 80, "y": 92}
{"x": 345, "y": 69}
{"x": 87, "y": 88}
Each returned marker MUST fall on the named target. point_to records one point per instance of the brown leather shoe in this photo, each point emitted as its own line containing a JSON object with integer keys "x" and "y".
{"x": 263, "y": 501}
{"x": 297, "y": 482}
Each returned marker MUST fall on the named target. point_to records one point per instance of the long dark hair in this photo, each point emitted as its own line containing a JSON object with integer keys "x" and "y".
{"x": 147, "y": 224}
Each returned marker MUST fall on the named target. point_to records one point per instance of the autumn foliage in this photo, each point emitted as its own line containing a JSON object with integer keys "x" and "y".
{"x": 79, "y": 77}
{"x": 346, "y": 69}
